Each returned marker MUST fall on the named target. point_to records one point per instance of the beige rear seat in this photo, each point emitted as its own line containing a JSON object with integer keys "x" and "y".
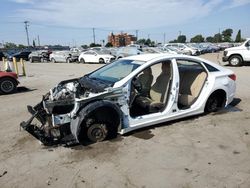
{"x": 190, "y": 86}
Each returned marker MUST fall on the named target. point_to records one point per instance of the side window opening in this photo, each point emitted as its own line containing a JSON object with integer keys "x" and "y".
{"x": 150, "y": 89}
{"x": 192, "y": 79}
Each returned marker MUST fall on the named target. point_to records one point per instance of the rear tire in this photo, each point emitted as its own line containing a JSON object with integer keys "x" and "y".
{"x": 235, "y": 61}
{"x": 101, "y": 61}
{"x": 7, "y": 85}
{"x": 82, "y": 60}
{"x": 214, "y": 103}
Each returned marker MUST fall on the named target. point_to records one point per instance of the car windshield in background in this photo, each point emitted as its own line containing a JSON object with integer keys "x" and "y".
{"x": 116, "y": 71}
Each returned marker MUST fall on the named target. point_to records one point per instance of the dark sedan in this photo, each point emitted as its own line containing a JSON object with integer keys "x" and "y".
{"x": 23, "y": 54}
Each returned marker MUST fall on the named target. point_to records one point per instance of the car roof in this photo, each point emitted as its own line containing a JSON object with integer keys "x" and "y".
{"x": 149, "y": 57}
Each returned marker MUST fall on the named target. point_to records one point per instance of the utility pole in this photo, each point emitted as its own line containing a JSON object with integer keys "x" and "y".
{"x": 136, "y": 34}
{"x": 38, "y": 39}
{"x": 164, "y": 38}
{"x": 27, "y": 32}
{"x": 94, "y": 34}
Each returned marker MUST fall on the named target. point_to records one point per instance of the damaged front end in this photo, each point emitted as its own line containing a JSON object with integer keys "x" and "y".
{"x": 50, "y": 119}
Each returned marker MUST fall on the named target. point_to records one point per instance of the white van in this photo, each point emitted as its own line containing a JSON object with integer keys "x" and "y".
{"x": 237, "y": 55}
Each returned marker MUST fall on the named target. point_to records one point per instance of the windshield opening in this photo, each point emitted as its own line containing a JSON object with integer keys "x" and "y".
{"x": 115, "y": 71}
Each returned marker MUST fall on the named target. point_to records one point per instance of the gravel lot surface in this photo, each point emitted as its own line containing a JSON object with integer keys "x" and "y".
{"x": 203, "y": 151}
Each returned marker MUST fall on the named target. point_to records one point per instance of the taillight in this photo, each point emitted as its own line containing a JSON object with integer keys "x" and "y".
{"x": 232, "y": 76}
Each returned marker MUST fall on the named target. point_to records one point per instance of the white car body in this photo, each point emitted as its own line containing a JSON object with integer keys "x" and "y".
{"x": 92, "y": 56}
{"x": 237, "y": 55}
{"x": 110, "y": 93}
{"x": 215, "y": 80}
{"x": 60, "y": 56}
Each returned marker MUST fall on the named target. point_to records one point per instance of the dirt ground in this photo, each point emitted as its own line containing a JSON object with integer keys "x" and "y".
{"x": 204, "y": 151}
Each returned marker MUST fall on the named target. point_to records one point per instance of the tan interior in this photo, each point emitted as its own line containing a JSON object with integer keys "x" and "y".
{"x": 191, "y": 84}
{"x": 158, "y": 92}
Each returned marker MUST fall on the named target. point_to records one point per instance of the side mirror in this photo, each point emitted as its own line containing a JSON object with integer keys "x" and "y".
{"x": 247, "y": 44}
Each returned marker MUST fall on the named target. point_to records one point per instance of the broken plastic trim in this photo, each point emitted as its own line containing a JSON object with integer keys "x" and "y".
{"x": 46, "y": 138}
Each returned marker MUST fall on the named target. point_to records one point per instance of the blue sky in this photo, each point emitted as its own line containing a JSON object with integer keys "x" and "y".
{"x": 70, "y": 22}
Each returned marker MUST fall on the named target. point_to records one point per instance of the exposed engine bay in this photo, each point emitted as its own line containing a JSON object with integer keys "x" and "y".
{"x": 62, "y": 104}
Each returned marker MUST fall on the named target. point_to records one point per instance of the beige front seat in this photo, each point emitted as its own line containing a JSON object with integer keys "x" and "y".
{"x": 190, "y": 87}
{"x": 146, "y": 79}
{"x": 158, "y": 92}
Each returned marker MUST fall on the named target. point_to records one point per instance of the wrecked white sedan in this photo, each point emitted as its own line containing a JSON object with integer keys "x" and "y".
{"x": 128, "y": 94}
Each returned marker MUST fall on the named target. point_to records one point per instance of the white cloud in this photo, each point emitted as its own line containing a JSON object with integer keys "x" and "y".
{"x": 121, "y": 14}
{"x": 236, "y": 3}
{"x": 23, "y": 1}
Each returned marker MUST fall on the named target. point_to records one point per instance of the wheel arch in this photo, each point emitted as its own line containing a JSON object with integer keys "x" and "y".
{"x": 9, "y": 77}
{"x": 222, "y": 94}
{"x": 98, "y": 109}
{"x": 236, "y": 54}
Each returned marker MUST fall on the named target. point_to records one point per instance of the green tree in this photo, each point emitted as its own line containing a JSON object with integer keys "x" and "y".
{"x": 109, "y": 44}
{"x": 147, "y": 42}
{"x": 141, "y": 41}
{"x": 210, "y": 39}
{"x": 34, "y": 43}
{"x": 217, "y": 38}
{"x": 94, "y": 45}
{"x": 173, "y": 41}
{"x": 21, "y": 46}
{"x": 226, "y": 35}
{"x": 10, "y": 45}
{"x": 181, "y": 38}
{"x": 238, "y": 36}
{"x": 84, "y": 46}
{"x": 197, "y": 39}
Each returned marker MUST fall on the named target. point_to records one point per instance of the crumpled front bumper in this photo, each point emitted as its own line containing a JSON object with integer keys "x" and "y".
{"x": 45, "y": 132}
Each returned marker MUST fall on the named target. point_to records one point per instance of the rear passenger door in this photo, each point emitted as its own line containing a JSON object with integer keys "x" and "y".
{"x": 192, "y": 81}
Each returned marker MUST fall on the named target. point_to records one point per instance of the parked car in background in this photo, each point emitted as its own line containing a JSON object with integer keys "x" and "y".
{"x": 236, "y": 56}
{"x": 151, "y": 50}
{"x": 92, "y": 56}
{"x": 171, "y": 50}
{"x": 131, "y": 93}
{"x": 62, "y": 56}
{"x": 2, "y": 55}
{"x": 225, "y": 45}
{"x": 20, "y": 55}
{"x": 8, "y": 82}
{"x": 184, "y": 48}
{"x": 39, "y": 56}
{"x": 127, "y": 51}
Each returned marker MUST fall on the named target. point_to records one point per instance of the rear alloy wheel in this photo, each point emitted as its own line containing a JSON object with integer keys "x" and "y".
{"x": 212, "y": 104}
{"x": 235, "y": 61}
{"x": 82, "y": 60}
{"x": 101, "y": 60}
{"x": 97, "y": 132}
{"x": 7, "y": 85}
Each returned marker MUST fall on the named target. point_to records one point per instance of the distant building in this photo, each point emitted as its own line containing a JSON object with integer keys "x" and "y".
{"x": 122, "y": 39}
